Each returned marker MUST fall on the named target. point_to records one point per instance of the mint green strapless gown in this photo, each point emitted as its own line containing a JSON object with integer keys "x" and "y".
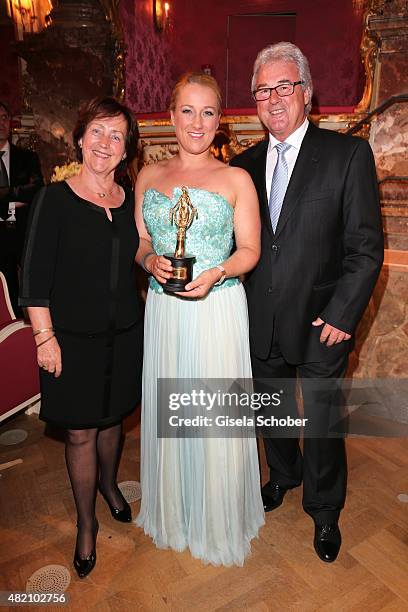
{"x": 197, "y": 493}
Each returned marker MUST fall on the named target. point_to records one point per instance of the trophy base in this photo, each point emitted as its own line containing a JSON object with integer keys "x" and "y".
{"x": 182, "y": 272}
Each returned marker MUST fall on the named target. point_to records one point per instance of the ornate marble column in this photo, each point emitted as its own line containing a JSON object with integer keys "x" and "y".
{"x": 72, "y": 60}
{"x": 382, "y": 337}
{"x": 389, "y": 132}
{"x": 390, "y": 26}
{"x": 9, "y": 75}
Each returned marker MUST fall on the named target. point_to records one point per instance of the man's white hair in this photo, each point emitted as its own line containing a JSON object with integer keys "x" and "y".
{"x": 285, "y": 52}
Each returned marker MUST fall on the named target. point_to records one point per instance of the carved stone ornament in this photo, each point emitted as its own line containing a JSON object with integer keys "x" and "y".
{"x": 385, "y": 32}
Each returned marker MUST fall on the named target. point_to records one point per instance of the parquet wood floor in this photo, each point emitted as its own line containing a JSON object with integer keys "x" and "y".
{"x": 37, "y": 528}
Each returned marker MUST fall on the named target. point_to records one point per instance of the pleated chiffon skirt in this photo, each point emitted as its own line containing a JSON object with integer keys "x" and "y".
{"x": 198, "y": 493}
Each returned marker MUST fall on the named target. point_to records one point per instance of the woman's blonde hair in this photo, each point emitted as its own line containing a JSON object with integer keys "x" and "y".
{"x": 197, "y": 78}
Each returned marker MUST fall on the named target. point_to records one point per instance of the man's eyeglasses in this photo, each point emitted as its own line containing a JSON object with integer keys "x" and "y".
{"x": 285, "y": 89}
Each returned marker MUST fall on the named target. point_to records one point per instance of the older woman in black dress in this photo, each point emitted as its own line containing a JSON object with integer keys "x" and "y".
{"x": 79, "y": 286}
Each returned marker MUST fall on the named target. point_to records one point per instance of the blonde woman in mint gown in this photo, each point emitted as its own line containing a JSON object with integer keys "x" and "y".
{"x": 203, "y": 493}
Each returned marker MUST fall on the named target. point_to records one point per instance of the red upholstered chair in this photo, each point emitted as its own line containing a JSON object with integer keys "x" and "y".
{"x": 19, "y": 380}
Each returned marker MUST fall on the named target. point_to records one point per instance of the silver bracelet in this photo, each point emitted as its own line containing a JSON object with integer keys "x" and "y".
{"x": 142, "y": 263}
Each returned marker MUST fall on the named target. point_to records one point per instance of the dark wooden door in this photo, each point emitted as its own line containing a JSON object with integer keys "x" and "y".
{"x": 246, "y": 36}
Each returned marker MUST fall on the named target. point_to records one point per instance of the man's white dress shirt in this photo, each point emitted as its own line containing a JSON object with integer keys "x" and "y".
{"x": 295, "y": 140}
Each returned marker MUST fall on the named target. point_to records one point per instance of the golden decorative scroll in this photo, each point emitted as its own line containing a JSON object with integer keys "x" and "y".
{"x": 111, "y": 9}
{"x": 369, "y": 51}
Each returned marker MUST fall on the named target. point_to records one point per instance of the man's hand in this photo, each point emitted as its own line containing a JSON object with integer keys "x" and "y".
{"x": 330, "y": 335}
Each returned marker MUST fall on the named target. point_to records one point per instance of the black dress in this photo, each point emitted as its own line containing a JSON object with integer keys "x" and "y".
{"x": 82, "y": 266}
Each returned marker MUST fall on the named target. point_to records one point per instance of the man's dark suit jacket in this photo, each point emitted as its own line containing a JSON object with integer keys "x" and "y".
{"x": 25, "y": 180}
{"x": 325, "y": 257}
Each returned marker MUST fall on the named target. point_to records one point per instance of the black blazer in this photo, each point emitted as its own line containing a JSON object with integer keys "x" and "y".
{"x": 326, "y": 254}
{"x": 25, "y": 180}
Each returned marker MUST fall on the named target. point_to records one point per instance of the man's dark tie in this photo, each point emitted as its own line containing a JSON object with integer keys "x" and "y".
{"x": 4, "y": 184}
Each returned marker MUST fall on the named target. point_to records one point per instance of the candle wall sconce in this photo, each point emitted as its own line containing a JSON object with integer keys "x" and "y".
{"x": 161, "y": 14}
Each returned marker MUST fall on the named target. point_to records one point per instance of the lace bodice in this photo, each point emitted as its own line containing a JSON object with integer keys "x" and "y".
{"x": 210, "y": 237}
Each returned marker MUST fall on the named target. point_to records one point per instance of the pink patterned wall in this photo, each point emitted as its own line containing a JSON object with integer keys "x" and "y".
{"x": 327, "y": 31}
{"x": 148, "y": 58}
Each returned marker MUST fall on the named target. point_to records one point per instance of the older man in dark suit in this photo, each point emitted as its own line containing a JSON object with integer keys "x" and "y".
{"x": 20, "y": 179}
{"x": 322, "y": 250}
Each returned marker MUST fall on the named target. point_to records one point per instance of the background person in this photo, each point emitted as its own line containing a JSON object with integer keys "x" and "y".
{"x": 20, "y": 180}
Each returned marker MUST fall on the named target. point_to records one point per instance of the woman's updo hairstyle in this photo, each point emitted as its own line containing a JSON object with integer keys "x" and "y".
{"x": 196, "y": 78}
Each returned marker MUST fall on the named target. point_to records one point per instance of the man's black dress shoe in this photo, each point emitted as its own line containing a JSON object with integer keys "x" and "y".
{"x": 272, "y": 496}
{"x": 124, "y": 515}
{"x": 327, "y": 541}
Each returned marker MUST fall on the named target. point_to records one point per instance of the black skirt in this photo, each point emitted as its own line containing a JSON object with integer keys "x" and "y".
{"x": 100, "y": 381}
{"x": 81, "y": 265}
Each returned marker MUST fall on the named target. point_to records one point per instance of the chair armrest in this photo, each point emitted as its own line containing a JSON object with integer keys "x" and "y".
{"x": 6, "y": 329}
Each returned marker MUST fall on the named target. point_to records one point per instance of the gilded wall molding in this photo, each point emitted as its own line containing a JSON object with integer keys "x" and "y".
{"x": 369, "y": 51}
{"x": 111, "y": 10}
{"x": 235, "y": 134}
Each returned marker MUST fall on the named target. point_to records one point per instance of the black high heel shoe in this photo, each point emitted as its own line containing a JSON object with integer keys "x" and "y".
{"x": 84, "y": 567}
{"x": 124, "y": 515}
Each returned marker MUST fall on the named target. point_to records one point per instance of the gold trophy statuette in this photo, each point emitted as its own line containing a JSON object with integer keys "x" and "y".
{"x": 182, "y": 214}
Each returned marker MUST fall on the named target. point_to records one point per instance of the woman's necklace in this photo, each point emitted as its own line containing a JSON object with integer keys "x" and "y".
{"x": 103, "y": 194}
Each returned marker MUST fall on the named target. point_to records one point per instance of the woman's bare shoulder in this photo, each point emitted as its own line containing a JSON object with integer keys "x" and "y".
{"x": 150, "y": 174}
{"x": 149, "y": 171}
{"x": 236, "y": 173}
{"x": 235, "y": 178}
